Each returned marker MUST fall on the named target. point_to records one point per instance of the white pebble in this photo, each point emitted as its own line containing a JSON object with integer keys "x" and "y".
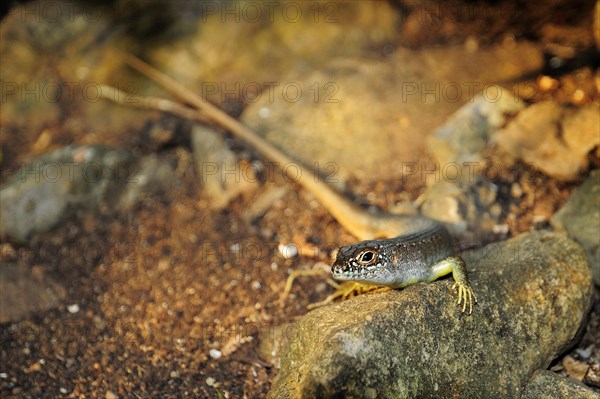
{"x": 210, "y": 381}
{"x": 3, "y": 375}
{"x": 584, "y": 353}
{"x": 215, "y": 353}
{"x": 288, "y": 251}
{"x": 264, "y": 112}
{"x": 73, "y": 308}
{"x": 501, "y": 229}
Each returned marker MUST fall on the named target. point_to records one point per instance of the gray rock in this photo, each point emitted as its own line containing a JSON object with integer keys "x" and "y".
{"x": 556, "y": 139}
{"x": 23, "y": 291}
{"x": 221, "y": 174}
{"x": 29, "y": 207}
{"x": 39, "y": 195}
{"x": 534, "y": 291}
{"x": 457, "y": 194}
{"x": 371, "y": 118}
{"x": 469, "y": 130}
{"x": 548, "y": 385}
{"x": 468, "y": 209}
{"x": 580, "y": 219}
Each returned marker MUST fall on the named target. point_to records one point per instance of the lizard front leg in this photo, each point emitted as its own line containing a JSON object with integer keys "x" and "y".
{"x": 456, "y": 266}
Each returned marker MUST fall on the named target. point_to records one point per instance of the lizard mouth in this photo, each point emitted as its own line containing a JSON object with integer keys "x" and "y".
{"x": 346, "y": 272}
{"x": 339, "y": 273}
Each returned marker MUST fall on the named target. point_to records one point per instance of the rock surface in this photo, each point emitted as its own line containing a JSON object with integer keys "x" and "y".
{"x": 469, "y": 130}
{"x": 548, "y": 385}
{"x": 467, "y": 208}
{"x": 458, "y": 194}
{"x": 389, "y": 107}
{"x": 534, "y": 291}
{"x": 580, "y": 219}
{"x": 38, "y": 195}
{"x": 557, "y": 139}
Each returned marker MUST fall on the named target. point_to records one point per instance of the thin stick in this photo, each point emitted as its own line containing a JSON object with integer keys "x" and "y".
{"x": 354, "y": 219}
{"x": 210, "y": 111}
{"x": 154, "y": 103}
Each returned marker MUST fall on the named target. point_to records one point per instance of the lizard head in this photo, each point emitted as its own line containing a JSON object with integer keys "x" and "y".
{"x": 362, "y": 262}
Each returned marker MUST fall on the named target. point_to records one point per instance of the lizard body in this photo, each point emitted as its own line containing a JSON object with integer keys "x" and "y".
{"x": 424, "y": 254}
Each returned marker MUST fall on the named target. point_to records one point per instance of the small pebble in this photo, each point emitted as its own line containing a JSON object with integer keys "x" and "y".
{"x": 63, "y": 391}
{"x": 584, "y": 353}
{"x": 174, "y": 374}
{"x": 515, "y": 190}
{"x": 288, "y": 251}
{"x": 501, "y": 229}
{"x": 579, "y": 96}
{"x": 264, "y": 112}
{"x": 110, "y": 395}
{"x": 73, "y": 308}
{"x": 256, "y": 285}
{"x": 546, "y": 83}
{"x": 257, "y": 166}
{"x": 575, "y": 368}
{"x": 592, "y": 376}
{"x": 555, "y": 62}
{"x": 3, "y": 375}
{"x": 210, "y": 381}
{"x": 215, "y": 353}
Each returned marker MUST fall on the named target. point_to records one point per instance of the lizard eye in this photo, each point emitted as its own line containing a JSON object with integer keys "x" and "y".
{"x": 366, "y": 257}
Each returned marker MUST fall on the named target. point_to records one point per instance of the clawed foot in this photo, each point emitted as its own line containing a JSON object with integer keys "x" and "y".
{"x": 347, "y": 290}
{"x": 343, "y": 291}
{"x": 298, "y": 273}
{"x": 465, "y": 295}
